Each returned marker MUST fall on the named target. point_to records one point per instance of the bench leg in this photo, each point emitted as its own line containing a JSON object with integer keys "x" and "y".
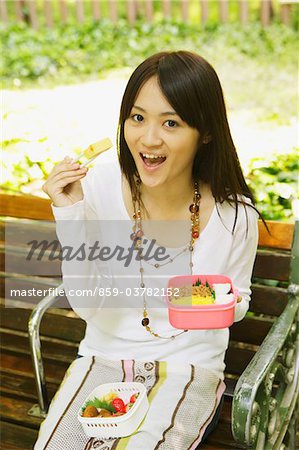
{"x": 40, "y": 409}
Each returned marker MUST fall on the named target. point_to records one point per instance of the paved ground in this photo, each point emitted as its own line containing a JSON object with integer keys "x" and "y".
{"x": 69, "y": 117}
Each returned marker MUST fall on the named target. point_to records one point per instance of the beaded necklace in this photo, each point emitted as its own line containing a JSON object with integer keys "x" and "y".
{"x": 137, "y": 239}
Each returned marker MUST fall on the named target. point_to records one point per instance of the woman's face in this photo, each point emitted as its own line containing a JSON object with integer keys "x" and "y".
{"x": 162, "y": 144}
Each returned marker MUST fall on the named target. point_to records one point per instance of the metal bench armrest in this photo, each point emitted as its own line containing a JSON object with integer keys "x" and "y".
{"x": 266, "y": 393}
{"x": 36, "y": 316}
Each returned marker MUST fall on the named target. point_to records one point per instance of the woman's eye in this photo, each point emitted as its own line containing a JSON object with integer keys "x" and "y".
{"x": 137, "y": 117}
{"x": 171, "y": 123}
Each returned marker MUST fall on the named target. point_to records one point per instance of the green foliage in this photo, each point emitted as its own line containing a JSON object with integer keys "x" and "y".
{"x": 70, "y": 52}
{"x": 257, "y": 66}
{"x": 23, "y": 172}
{"x": 274, "y": 181}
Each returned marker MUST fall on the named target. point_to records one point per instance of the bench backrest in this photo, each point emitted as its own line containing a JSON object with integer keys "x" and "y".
{"x": 269, "y": 293}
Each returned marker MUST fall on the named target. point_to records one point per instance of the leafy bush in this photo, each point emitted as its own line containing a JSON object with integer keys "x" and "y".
{"x": 22, "y": 169}
{"x": 257, "y": 66}
{"x": 274, "y": 182}
{"x": 93, "y": 47}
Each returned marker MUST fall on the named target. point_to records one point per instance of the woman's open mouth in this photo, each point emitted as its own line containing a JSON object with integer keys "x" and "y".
{"x": 151, "y": 160}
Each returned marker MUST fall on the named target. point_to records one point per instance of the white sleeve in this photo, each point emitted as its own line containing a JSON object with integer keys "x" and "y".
{"x": 77, "y": 230}
{"x": 242, "y": 257}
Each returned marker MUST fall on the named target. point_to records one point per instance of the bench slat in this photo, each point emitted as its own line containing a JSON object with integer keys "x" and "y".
{"x": 22, "y": 364}
{"x": 16, "y": 263}
{"x": 20, "y": 386}
{"x": 268, "y": 265}
{"x": 32, "y": 207}
{"x": 250, "y": 330}
{"x": 56, "y": 351}
{"x": 236, "y": 359}
{"x": 272, "y": 266}
{"x": 23, "y": 386}
{"x": 55, "y": 326}
{"x": 25, "y": 206}
{"x": 65, "y": 328}
{"x": 15, "y": 411}
{"x": 268, "y": 300}
{"x": 17, "y": 437}
{"x": 259, "y": 300}
{"x": 281, "y": 235}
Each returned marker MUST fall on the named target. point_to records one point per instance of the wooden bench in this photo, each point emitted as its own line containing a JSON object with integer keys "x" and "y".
{"x": 262, "y": 358}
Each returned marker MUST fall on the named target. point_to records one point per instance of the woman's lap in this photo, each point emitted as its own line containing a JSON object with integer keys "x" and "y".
{"x": 183, "y": 405}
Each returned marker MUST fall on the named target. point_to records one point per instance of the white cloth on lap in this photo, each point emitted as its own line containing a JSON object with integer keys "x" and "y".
{"x": 183, "y": 399}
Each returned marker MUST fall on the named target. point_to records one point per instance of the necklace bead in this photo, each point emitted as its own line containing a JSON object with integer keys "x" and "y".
{"x": 137, "y": 235}
{"x": 193, "y": 208}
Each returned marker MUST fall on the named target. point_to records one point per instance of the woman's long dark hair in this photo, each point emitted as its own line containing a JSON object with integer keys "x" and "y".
{"x": 191, "y": 86}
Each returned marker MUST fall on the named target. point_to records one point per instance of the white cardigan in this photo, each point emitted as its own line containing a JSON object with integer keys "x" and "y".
{"x": 114, "y": 329}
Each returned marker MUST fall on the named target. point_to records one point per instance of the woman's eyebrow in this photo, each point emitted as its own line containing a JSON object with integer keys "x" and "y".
{"x": 166, "y": 113}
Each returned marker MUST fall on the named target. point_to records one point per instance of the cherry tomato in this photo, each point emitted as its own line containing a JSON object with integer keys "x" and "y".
{"x": 133, "y": 398}
{"x": 119, "y": 405}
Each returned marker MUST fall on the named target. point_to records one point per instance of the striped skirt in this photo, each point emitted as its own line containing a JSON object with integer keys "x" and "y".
{"x": 183, "y": 399}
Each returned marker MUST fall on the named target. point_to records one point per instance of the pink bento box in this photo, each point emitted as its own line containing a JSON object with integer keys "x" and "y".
{"x": 201, "y": 317}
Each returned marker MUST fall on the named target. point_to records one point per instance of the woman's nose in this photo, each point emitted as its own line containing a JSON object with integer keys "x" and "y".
{"x": 151, "y": 136}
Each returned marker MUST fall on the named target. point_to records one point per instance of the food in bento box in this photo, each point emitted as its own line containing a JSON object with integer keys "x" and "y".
{"x": 197, "y": 294}
{"x": 90, "y": 411}
{"x": 110, "y": 405}
{"x": 202, "y": 294}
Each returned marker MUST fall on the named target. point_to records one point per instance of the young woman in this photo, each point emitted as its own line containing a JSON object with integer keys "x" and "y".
{"x": 177, "y": 203}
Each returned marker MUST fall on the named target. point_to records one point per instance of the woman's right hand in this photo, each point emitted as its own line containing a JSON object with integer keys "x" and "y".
{"x": 63, "y": 185}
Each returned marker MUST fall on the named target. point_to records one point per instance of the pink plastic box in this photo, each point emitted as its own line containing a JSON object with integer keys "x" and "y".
{"x": 201, "y": 317}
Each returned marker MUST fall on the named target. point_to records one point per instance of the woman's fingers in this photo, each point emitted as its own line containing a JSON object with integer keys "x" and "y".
{"x": 62, "y": 170}
{"x": 64, "y": 181}
{"x": 66, "y": 172}
{"x": 63, "y": 184}
{"x": 56, "y": 176}
{"x": 64, "y": 167}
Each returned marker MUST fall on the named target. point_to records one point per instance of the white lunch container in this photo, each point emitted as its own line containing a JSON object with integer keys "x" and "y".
{"x": 118, "y": 426}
